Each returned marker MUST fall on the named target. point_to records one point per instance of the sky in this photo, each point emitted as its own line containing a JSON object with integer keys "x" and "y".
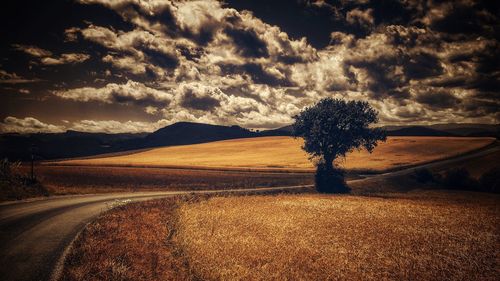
{"x": 120, "y": 66}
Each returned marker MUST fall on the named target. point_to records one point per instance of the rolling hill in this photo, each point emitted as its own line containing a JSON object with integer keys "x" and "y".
{"x": 191, "y": 133}
{"x": 285, "y": 154}
{"x": 419, "y": 131}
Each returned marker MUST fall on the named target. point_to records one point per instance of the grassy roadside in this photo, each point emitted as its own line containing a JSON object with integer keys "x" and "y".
{"x": 131, "y": 242}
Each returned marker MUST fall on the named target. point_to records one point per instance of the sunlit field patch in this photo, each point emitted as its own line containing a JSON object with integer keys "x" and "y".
{"x": 285, "y": 153}
{"x": 450, "y": 236}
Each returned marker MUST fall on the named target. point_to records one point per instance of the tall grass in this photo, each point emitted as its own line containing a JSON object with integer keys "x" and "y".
{"x": 342, "y": 238}
{"x": 15, "y": 184}
{"x": 131, "y": 242}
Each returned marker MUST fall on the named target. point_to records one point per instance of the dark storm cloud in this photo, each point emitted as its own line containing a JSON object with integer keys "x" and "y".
{"x": 422, "y": 65}
{"x": 253, "y": 63}
{"x": 199, "y": 102}
{"x": 260, "y": 76}
{"x": 381, "y": 71}
{"x": 439, "y": 99}
{"x": 130, "y": 93}
{"x": 248, "y": 43}
{"x": 257, "y": 73}
{"x": 163, "y": 60}
{"x": 466, "y": 17}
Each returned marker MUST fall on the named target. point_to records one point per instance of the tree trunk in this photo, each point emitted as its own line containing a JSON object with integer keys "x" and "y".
{"x": 328, "y": 163}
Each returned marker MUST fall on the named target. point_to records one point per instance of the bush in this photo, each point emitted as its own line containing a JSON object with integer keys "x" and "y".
{"x": 490, "y": 181}
{"x": 15, "y": 185}
{"x": 423, "y": 175}
{"x": 459, "y": 178}
{"x": 330, "y": 181}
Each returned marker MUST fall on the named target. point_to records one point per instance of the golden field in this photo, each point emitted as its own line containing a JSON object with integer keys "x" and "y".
{"x": 285, "y": 153}
{"x": 446, "y": 236}
{"x": 424, "y": 235}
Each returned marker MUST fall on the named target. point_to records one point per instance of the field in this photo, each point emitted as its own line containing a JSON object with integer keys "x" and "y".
{"x": 412, "y": 236}
{"x": 318, "y": 237}
{"x": 478, "y": 165}
{"x": 284, "y": 153}
{"x": 89, "y": 179}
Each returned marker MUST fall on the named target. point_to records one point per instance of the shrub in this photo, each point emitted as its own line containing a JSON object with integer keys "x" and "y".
{"x": 330, "y": 181}
{"x": 15, "y": 185}
{"x": 459, "y": 178}
{"x": 423, "y": 175}
{"x": 490, "y": 181}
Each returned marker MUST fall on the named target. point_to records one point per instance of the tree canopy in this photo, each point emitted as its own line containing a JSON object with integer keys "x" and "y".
{"x": 333, "y": 127}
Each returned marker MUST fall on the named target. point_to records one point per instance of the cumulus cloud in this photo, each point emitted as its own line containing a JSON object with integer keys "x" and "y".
{"x": 115, "y": 127}
{"x": 65, "y": 59}
{"x": 32, "y": 50}
{"x": 13, "y": 78}
{"x": 47, "y": 58}
{"x": 131, "y": 92}
{"x": 363, "y": 18}
{"x": 71, "y": 34}
{"x": 27, "y": 125}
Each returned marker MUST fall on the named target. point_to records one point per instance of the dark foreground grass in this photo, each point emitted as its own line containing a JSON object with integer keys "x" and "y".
{"x": 16, "y": 184}
{"x": 418, "y": 235}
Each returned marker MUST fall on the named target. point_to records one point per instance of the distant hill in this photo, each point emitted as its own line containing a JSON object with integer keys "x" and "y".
{"x": 418, "y": 131}
{"x": 470, "y": 130}
{"x": 283, "y": 131}
{"x": 62, "y": 145}
{"x": 191, "y": 133}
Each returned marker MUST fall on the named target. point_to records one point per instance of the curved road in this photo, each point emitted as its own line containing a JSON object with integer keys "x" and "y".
{"x": 34, "y": 234}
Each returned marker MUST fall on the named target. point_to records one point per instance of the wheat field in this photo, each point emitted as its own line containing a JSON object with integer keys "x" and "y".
{"x": 285, "y": 153}
{"x": 316, "y": 237}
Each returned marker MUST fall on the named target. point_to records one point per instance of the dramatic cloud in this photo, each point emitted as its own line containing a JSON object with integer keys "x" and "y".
{"x": 47, "y": 58}
{"x": 65, "y": 59}
{"x": 31, "y": 125}
{"x": 115, "y": 127}
{"x": 255, "y": 64}
{"x": 27, "y": 125}
{"x": 13, "y": 78}
{"x": 357, "y": 16}
{"x": 129, "y": 93}
{"x": 33, "y": 50}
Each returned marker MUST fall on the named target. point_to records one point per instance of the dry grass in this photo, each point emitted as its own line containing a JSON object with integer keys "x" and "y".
{"x": 128, "y": 243}
{"x": 271, "y": 153}
{"x": 480, "y": 165}
{"x": 431, "y": 236}
{"x": 88, "y": 179}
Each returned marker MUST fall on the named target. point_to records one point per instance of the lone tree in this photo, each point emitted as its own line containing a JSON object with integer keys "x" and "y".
{"x": 332, "y": 128}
